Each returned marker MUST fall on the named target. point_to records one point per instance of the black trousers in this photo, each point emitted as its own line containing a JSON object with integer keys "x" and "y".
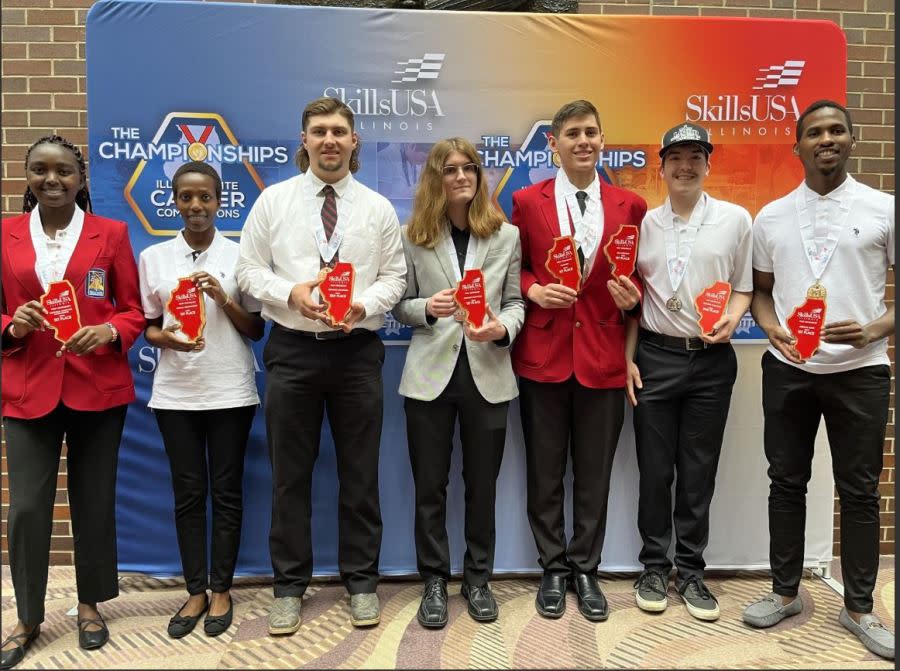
{"x": 189, "y": 435}
{"x": 558, "y": 418}
{"x": 429, "y": 429}
{"x": 679, "y": 422}
{"x": 33, "y": 449}
{"x": 306, "y": 378}
{"x": 855, "y": 406}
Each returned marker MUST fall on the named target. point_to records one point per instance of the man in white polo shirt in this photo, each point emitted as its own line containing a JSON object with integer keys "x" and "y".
{"x": 295, "y": 228}
{"x": 832, "y": 238}
{"x": 680, "y": 378}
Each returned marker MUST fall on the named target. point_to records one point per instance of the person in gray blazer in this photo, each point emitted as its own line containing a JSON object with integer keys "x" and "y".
{"x": 453, "y": 370}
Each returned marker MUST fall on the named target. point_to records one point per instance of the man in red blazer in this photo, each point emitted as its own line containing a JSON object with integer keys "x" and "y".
{"x": 570, "y": 358}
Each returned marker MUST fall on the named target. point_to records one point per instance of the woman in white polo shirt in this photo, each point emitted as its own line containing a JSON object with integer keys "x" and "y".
{"x": 204, "y": 393}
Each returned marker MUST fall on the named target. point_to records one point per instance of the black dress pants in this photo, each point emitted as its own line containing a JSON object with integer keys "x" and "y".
{"x": 558, "y": 418}
{"x": 679, "y": 422}
{"x": 429, "y": 429}
{"x": 855, "y": 406}
{"x": 33, "y": 449}
{"x": 189, "y": 436}
{"x": 305, "y": 379}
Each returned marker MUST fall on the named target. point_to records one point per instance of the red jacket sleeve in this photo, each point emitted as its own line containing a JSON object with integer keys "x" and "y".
{"x": 129, "y": 318}
{"x": 519, "y": 220}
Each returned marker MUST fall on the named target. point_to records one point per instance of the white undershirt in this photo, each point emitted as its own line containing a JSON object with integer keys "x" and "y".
{"x": 52, "y": 255}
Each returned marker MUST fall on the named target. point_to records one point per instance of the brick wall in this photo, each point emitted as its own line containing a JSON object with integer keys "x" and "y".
{"x": 43, "y": 89}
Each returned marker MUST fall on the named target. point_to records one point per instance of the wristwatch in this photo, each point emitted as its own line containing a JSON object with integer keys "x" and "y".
{"x": 114, "y": 330}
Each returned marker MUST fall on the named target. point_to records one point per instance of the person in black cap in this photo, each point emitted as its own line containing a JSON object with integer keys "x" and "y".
{"x": 679, "y": 376}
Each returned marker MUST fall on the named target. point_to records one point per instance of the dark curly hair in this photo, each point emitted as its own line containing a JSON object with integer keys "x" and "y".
{"x": 83, "y": 197}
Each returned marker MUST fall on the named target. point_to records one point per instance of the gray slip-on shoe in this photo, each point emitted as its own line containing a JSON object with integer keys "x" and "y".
{"x": 769, "y": 611}
{"x": 365, "y": 610}
{"x": 284, "y": 616}
{"x": 871, "y": 632}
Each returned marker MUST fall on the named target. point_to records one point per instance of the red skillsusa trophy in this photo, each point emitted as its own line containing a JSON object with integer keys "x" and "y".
{"x": 186, "y": 304}
{"x": 562, "y": 262}
{"x": 61, "y": 310}
{"x": 336, "y": 290}
{"x": 806, "y": 321}
{"x": 711, "y": 304}
{"x": 622, "y": 249}
{"x": 469, "y": 296}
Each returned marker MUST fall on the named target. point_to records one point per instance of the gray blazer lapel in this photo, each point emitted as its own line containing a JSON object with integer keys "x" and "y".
{"x": 484, "y": 246}
{"x": 441, "y": 250}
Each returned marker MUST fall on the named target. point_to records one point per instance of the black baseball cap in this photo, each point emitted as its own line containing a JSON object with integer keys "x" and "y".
{"x": 684, "y": 134}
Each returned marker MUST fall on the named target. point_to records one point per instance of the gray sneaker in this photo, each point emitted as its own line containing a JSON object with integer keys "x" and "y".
{"x": 364, "y": 609}
{"x": 698, "y": 600}
{"x": 768, "y": 611}
{"x": 870, "y": 632}
{"x": 284, "y": 616}
{"x": 650, "y": 591}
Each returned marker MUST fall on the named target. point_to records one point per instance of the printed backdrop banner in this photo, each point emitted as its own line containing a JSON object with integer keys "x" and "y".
{"x": 170, "y": 82}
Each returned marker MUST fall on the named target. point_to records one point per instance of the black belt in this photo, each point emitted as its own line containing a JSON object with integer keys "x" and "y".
{"x": 322, "y": 335}
{"x": 674, "y": 342}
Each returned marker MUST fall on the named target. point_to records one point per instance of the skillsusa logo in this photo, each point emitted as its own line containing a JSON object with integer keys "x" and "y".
{"x": 785, "y": 74}
{"x": 410, "y": 102}
{"x": 183, "y": 137}
{"x": 752, "y": 114}
{"x": 427, "y": 67}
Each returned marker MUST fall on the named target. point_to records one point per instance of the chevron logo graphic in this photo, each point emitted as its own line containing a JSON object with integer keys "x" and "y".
{"x": 427, "y": 67}
{"x": 773, "y": 76}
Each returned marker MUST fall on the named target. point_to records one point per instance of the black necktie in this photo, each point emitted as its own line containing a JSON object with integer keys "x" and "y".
{"x": 196, "y": 253}
{"x": 582, "y": 205}
{"x": 582, "y": 200}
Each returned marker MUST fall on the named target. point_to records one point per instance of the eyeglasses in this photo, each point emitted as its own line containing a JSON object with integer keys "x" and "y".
{"x": 451, "y": 170}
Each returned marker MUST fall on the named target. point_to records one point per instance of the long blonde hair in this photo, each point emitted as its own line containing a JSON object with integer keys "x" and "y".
{"x": 428, "y": 220}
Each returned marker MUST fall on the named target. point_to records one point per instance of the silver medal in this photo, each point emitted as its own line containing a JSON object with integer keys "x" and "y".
{"x": 673, "y": 304}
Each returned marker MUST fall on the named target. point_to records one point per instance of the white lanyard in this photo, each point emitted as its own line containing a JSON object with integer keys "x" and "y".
{"x": 678, "y": 251}
{"x": 819, "y": 255}
{"x": 587, "y": 233}
{"x": 450, "y": 250}
{"x": 327, "y": 248}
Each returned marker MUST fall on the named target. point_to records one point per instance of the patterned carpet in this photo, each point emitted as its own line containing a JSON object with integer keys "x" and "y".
{"x": 519, "y": 639}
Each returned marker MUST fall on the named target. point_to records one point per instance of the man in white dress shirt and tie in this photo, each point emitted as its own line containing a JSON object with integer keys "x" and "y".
{"x": 295, "y": 228}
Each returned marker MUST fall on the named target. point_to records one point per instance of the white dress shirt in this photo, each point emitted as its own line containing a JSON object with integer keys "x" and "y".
{"x": 279, "y": 250}
{"x": 222, "y": 374}
{"x": 52, "y": 255}
{"x": 722, "y": 251}
{"x": 854, "y": 278}
{"x": 593, "y": 194}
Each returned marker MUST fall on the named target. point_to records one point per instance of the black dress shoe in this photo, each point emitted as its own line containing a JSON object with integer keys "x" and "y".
{"x": 482, "y": 606}
{"x": 551, "y": 596}
{"x": 91, "y": 640}
{"x": 214, "y": 625}
{"x": 182, "y": 625}
{"x": 9, "y": 658}
{"x": 433, "y": 609}
{"x": 591, "y": 602}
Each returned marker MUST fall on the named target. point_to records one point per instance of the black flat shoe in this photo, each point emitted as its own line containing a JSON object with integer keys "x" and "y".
{"x": 182, "y": 625}
{"x": 433, "y": 608}
{"x": 91, "y": 640}
{"x": 551, "y": 596}
{"x": 214, "y": 625}
{"x": 482, "y": 606}
{"x": 9, "y": 658}
{"x": 591, "y": 602}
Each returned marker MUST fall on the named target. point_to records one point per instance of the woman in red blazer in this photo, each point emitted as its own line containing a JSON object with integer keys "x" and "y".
{"x": 78, "y": 389}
